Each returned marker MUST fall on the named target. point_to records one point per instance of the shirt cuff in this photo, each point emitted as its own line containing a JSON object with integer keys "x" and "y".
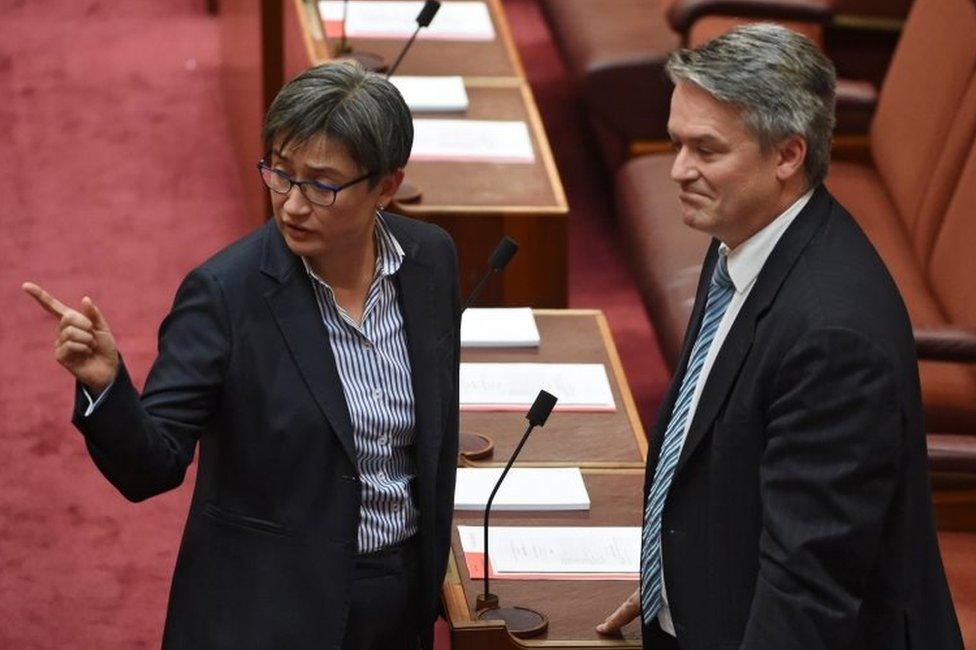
{"x": 93, "y": 404}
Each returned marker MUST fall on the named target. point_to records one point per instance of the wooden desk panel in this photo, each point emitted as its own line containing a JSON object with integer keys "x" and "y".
{"x": 478, "y": 203}
{"x": 479, "y": 187}
{"x": 584, "y": 439}
{"x": 574, "y": 607}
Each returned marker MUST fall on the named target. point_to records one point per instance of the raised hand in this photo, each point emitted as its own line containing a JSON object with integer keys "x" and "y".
{"x": 84, "y": 343}
{"x": 624, "y": 614}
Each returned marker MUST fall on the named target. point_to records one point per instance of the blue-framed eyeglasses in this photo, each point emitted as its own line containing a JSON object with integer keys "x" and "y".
{"x": 316, "y": 192}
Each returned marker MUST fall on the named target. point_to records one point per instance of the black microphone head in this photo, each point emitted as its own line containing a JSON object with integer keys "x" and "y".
{"x": 503, "y": 253}
{"x": 541, "y": 408}
{"x": 428, "y": 12}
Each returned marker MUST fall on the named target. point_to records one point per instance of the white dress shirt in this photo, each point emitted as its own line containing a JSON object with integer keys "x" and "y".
{"x": 744, "y": 264}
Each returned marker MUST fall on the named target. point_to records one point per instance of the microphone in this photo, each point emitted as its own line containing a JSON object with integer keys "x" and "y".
{"x": 500, "y": 257}
{"x": 519, "y": 620}
{"x": 343, "y": 46}
{"x": 475, "y": 446}
{"x": 426, "y": 15}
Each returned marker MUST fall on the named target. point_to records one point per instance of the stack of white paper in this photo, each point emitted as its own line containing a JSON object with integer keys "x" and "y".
{"x": 563, "y": 549}
{"x": 499, "y": 327}
{"x": 497, "y": 141}
{"x": 525, "y": 488}
{"x": 455, "y": 21}
{"x": 514, "y": 386}
{"x": 434, "y": 94}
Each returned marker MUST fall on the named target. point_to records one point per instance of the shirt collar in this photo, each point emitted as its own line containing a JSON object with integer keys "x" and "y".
{"x": 748, "y": 258}
{"x": 389, "y": 253}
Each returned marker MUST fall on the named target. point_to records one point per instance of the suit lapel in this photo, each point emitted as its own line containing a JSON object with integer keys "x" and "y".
{"x": 415, "y": 289}
{"x": 739, "y": 340}
{"x": 292, "y": 303}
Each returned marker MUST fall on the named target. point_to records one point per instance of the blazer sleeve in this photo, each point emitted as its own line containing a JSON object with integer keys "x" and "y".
{"x": 447, "y": 460}
{"x": 827, "y": 479}
{"x": 143, "y": 445}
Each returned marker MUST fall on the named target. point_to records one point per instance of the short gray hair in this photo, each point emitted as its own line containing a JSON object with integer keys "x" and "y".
{"x": 342, "y": 100}
{"x": 779, "y": 80}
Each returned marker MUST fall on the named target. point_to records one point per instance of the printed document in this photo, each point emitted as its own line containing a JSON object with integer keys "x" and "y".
{"x": 455, "y": 21}
{"x": 432, "y": 94}
{"x": 514, "y": 386}
{"x": 499, "y": 141}
{"x": 525, "y": 488}
{"x": 557, "y": 549}
{"x": 499, "y": 327}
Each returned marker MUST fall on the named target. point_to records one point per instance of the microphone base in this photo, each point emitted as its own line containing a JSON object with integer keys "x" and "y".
{"x": 521, "y": 622}
{"x": 474, "y": 446}
{"x": 408, "y": 193}
{"x": 369, "y": 61}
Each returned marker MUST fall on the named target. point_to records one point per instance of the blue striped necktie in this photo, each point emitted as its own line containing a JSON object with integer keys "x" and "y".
{"x": 719, "y": 296}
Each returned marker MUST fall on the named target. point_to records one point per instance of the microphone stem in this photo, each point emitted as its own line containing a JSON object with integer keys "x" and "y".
{"x": 511, "y": 461}
{"x": 477, "y": 289}
{"x": 403, "y": 53}
{"x": 342, "y": 40}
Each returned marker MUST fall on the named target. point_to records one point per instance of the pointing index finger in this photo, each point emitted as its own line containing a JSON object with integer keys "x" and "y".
{"x": 51, "y": 304}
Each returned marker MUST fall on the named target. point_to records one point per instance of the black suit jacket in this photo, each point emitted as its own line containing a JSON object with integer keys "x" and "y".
{"x": 245, "y": 368}
{"x": 800, "y": 511}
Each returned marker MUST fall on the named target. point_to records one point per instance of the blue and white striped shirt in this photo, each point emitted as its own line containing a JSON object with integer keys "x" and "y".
{"x": 374, "y": 368}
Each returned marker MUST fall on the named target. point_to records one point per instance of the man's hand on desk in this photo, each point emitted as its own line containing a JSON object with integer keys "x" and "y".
{"x": 624, "y": 614}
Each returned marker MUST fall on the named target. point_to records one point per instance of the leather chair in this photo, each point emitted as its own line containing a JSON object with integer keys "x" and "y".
{"x": 915, "y": 202}
{"x": 616, "y": 50}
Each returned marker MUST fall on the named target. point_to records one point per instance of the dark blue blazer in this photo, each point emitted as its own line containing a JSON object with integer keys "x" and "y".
{"x": 800, "y": 512}
{"x": 245, "y": 369}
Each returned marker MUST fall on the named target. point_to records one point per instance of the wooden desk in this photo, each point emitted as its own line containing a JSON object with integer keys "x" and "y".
{"x": 476, "y": 202}
{"x": 608, "y": 440}
{"x": 610, "y": 447}
{"x": 574, "y": 607}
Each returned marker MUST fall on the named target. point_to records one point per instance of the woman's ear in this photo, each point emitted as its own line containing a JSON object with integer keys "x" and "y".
{"x": 388, "y": 187}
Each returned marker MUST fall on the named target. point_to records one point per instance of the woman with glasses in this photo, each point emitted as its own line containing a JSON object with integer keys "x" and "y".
{"x": 315, "y": 362}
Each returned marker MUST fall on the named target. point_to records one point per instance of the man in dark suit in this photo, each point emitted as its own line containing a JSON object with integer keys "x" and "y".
{"x": 315, "y": 361}
{"x": 787, "y": 500}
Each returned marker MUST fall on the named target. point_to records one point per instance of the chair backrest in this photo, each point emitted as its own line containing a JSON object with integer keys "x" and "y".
{"x": 921, "y": 109}
{"x": 951, "y": 271}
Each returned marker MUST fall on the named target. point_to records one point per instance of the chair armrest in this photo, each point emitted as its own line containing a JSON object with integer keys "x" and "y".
{"x": 952, "y": 452}
{"x": 946, "y": 344}
{"x": 683, "y": 13}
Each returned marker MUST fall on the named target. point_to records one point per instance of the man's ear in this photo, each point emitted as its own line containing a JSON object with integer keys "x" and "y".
{"x": 792, "y": 153}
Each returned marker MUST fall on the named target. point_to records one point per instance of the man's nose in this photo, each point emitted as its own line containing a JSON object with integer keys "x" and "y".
{"x": 683, "y": 168}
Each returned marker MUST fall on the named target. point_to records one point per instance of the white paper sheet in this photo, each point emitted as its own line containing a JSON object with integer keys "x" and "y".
{"x": 499, "y": 327}
{"x": 525, "y": 488}
{"x": 455, "y": 21}
{"x": 433, "y": 94}
{"x": 557, "y": 549}
{"x": 472, "y": 141}
{"x": 514, "y": 386}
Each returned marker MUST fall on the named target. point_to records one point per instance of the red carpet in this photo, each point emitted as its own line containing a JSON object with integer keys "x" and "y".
{"x": 116, "y": 177}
